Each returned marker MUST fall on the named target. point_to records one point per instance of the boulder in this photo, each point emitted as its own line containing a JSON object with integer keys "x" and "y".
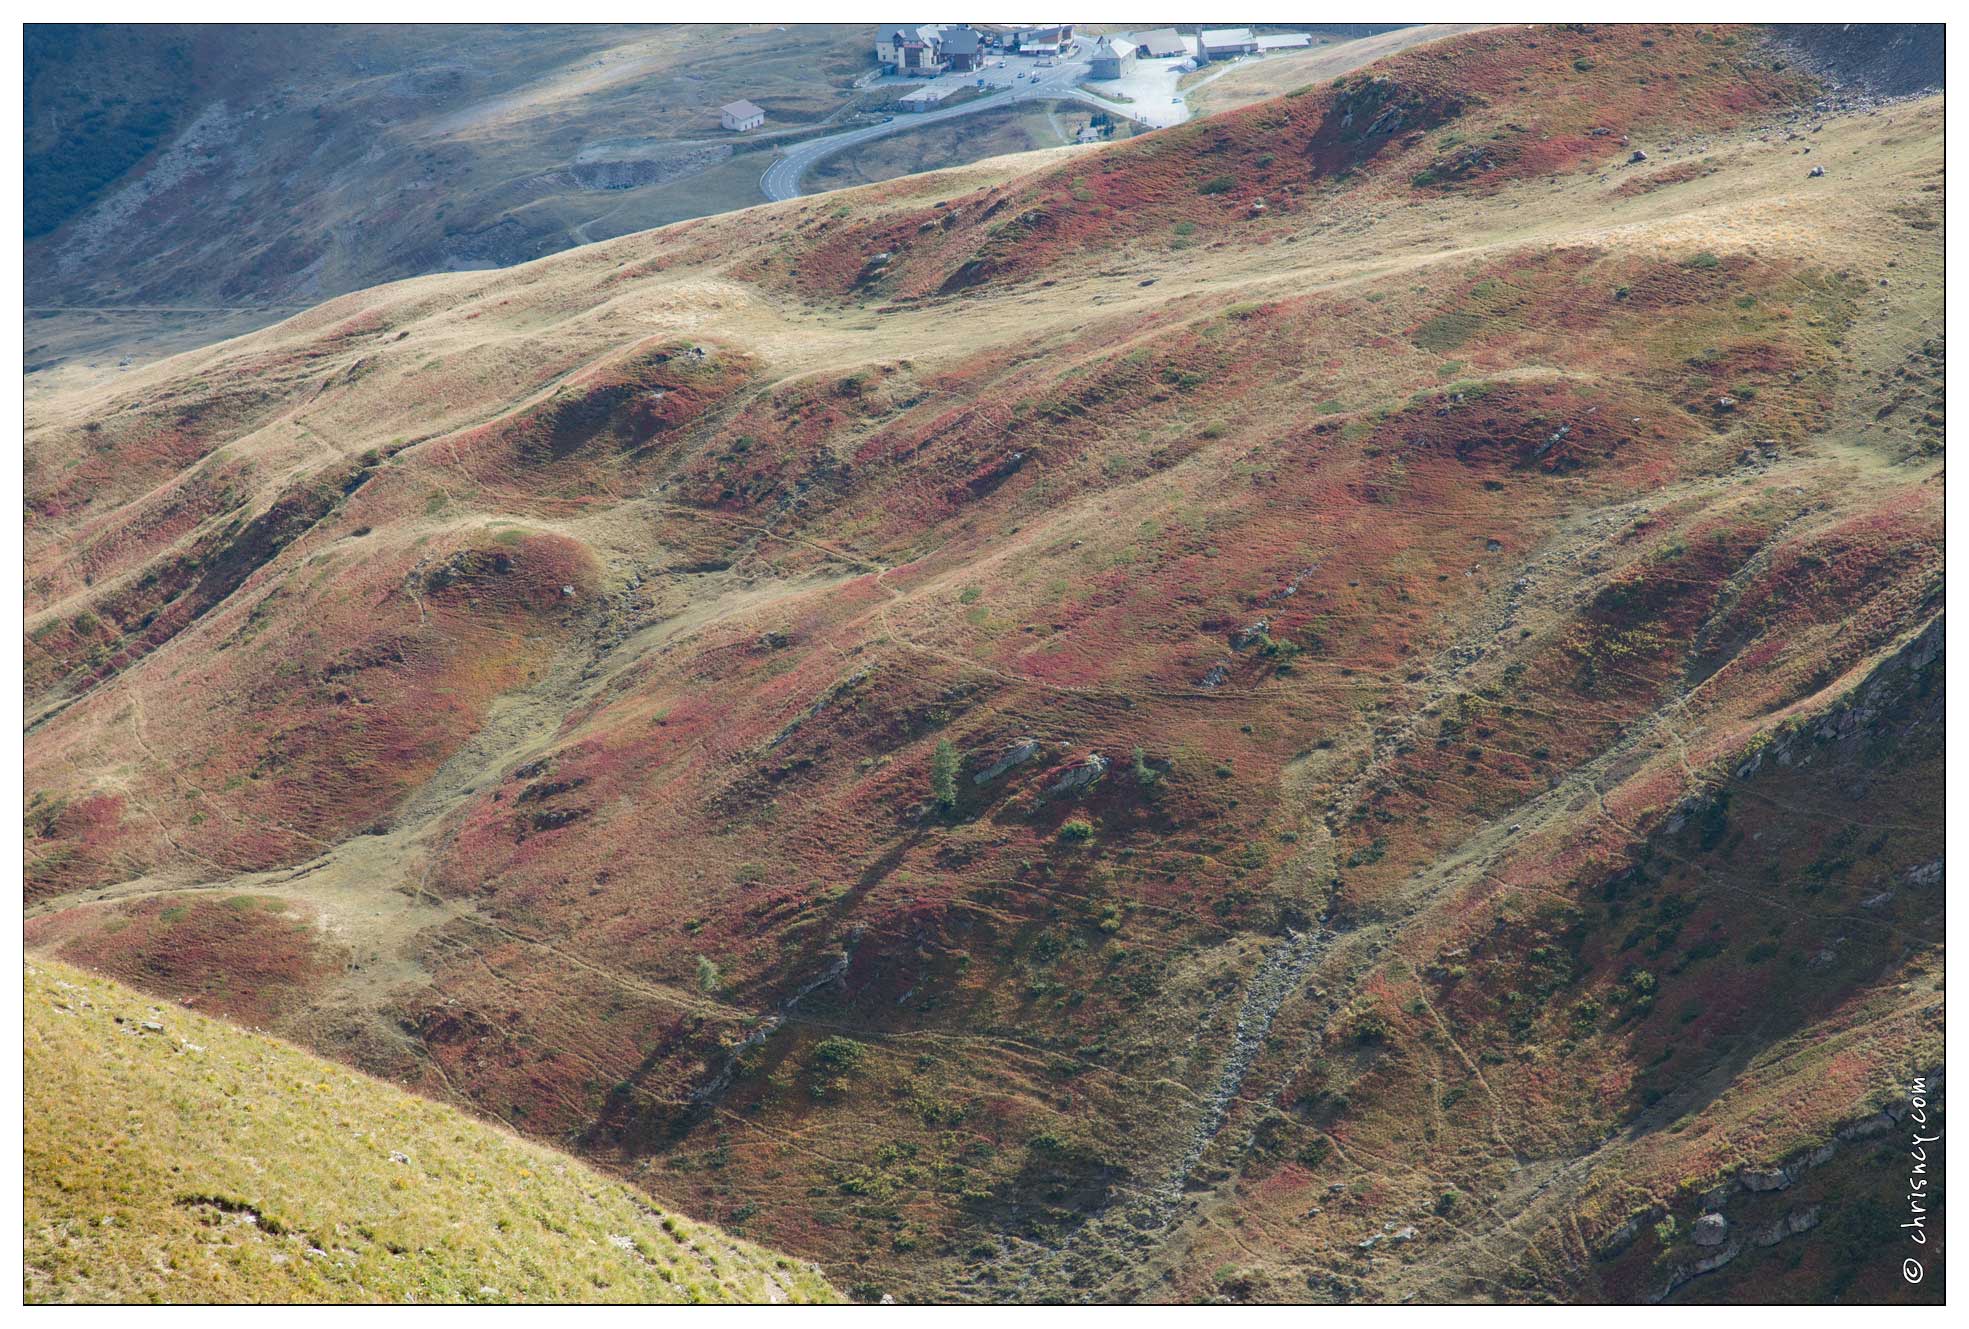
{"x": 1710, "y": 1230}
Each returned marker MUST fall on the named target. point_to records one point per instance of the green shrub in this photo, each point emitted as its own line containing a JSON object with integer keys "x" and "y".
{"x": 943, "y": 774}
{"x": 1076, "y": 831}
{"x": 838, "y": 1056}
{"x": 1217, "y": 184}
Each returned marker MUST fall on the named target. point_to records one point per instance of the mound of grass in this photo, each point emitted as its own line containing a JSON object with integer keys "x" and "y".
{"x": 171, "y": 1157}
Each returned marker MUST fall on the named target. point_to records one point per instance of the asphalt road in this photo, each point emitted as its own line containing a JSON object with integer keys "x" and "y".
{"x": 782, "y": 179}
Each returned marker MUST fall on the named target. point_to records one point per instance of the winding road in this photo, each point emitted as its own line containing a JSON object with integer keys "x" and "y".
{"x": 782, "y": 179}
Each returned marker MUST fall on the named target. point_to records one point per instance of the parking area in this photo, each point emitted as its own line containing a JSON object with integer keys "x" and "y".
{"x": 1150, "y": 87}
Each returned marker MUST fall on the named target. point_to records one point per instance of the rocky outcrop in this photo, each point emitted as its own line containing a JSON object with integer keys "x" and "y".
{"x": 1022, "y": 750}
{"x": 1073, "y": 778}
{"x": 1798, "y": 1220}
{"x": 1712, "y": 1231}
{"x": 1623, "y": 1236}
{"x": 1682, "y": 1273}
{"x": 1251, "y": 634}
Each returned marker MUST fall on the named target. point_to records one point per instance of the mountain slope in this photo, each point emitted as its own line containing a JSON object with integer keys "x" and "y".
{"x": 233, "y": 173}
{"x": 1356, "y": 550}
{"x": 173, "y": 1157}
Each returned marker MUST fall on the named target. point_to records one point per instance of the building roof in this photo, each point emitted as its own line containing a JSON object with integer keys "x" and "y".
{"x": 1227, "y": 37}
{"x": 960, "y": 41}
{"x": 1162, "y": 42}
{"x": 1283, "y": 41}
{"x": 1115, "y": 47}
{"x": 741, "y": 110}
{"x": 929, "y": 92}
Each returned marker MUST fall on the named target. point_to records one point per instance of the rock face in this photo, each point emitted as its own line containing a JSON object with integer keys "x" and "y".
{"x": 1623, "y": 1236}
{"x": 1021, "y": 751}
{"x": 1078, "y": 776}
{"x": 1928, "y": 874}
{"x": 1776, "y": 1179}
{"x": 1798, "y": 1220}
{"x": 1709, "y": 1263}
{"x": 1710, "y": 1230}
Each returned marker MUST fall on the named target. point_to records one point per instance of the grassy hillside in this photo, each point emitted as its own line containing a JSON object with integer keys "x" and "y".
{"x": 173, "y": 1157}
{"x": 1340, "y": 702}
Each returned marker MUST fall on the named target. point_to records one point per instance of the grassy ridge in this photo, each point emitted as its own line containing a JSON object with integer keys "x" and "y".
{"x": 170, "y": 1157}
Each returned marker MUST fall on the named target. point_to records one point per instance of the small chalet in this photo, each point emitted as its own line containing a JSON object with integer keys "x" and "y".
{"x": 741, "y": 116}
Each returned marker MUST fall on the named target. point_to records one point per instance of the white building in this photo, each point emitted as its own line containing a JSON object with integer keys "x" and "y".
{"x": 741, "y": 116}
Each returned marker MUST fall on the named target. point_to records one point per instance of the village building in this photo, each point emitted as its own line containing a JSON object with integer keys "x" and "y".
{"x": 740, "y": 116}
{"x": 924, "y": 98}
{"x": 913, "y": 50}
{"x": 1114, "y": 57}
{"x": 888, "y": 42}
{"x": 925, "y": 50}
{"x": 1284, "y": 41}
{"x": 962, "y": 48}
{"x": 1161, "y": 44}
{"x": 920, "y": 57}
{"x": 1049, "y": 39}
{"x": 1224, "y": 43}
